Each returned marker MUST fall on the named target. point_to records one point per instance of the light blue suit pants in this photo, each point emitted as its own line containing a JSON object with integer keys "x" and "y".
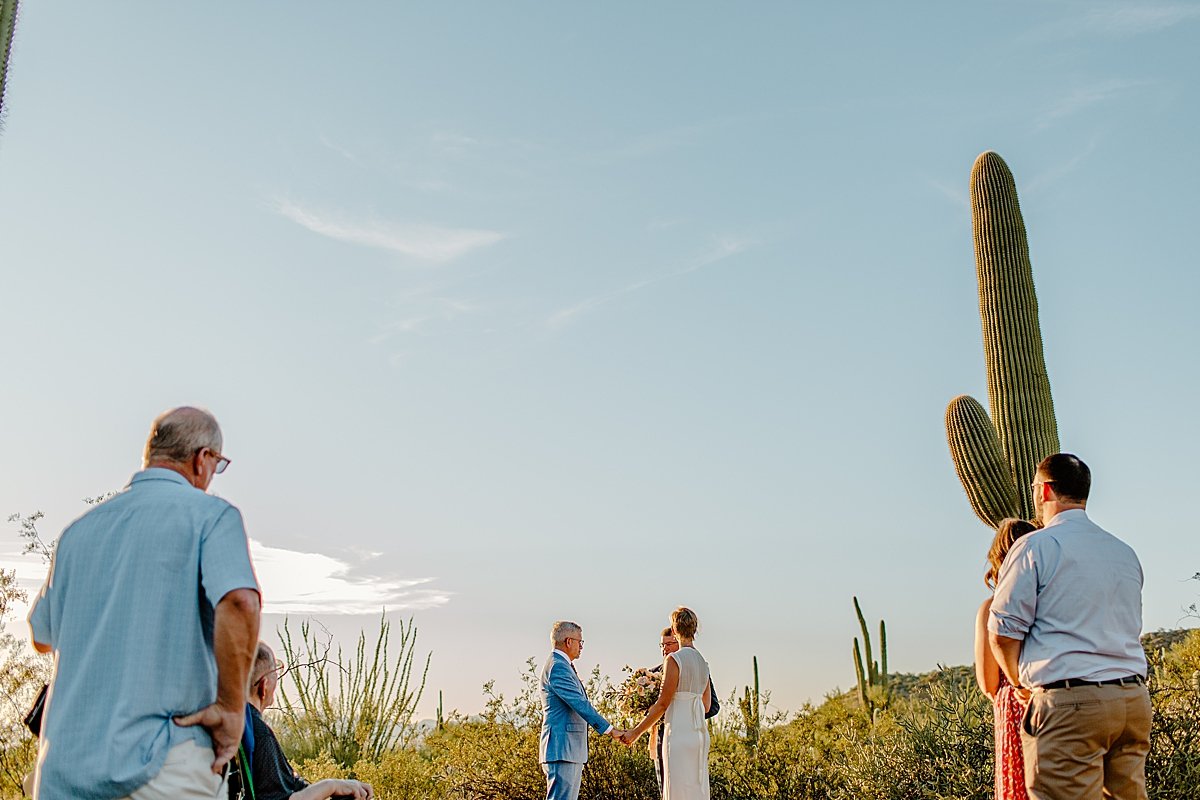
{"x": 563, "y": 779}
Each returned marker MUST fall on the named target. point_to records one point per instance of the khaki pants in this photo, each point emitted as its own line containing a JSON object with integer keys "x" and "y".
{"x": 186, "y": 775}
{"x": 1086, "y": 743}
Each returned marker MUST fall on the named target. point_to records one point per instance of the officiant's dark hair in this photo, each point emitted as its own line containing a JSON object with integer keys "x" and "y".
{"x": 685, "y": 622}
{"x": 667, "y": 631}
{"x": 1007, "y": 533}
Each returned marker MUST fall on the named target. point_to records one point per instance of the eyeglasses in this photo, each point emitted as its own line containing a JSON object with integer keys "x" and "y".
{"x": 222, "y": 461}
{"x": 574, "y": 639}
{"x": 665, "y": 645}
{"x": 1036, "y": 484}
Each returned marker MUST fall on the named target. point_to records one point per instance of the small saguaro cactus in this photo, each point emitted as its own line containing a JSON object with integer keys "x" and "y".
{"x": 996, "y": 457}
{"x": 751, "y": 708}
{"x": 871, "y": 674}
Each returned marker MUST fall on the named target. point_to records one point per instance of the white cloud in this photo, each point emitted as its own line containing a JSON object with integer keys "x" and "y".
{"x": 424, "y": 242}
{"x": 311, "y": 583}
{"x": 292, "y": 583}
{"x": 723, "y": 247}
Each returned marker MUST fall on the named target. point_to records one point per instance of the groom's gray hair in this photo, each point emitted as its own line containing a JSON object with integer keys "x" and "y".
{"x": 563, "y": 630}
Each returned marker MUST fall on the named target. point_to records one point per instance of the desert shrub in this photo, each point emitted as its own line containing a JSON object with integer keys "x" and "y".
{"x": 349, "y": 709}
{"x": 1173, "y": 765}
{"x": 936, "y": 744}
{"x": 791, "y": 758}
{"x": 400, "y": 774}
{"x": 494, "y": 756}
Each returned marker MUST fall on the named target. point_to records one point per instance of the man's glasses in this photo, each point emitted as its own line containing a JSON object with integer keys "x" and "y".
{"x": 222, "y": 461}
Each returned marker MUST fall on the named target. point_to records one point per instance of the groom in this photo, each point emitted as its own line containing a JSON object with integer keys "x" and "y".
{"x": 566, "y": 713}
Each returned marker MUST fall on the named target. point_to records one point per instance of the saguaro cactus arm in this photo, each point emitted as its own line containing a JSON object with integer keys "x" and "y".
{"x": 979, "y": 461}
{"x": 8, "y": 22}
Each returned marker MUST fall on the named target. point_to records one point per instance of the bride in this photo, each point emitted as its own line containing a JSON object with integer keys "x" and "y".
{"x": 683, "y": 701}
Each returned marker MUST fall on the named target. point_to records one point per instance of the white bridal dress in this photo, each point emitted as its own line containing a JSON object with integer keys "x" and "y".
{"x": 685, "y": 734}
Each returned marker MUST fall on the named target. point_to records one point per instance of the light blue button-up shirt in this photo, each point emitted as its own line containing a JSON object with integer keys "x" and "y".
{"x": 1073, "y": 593}
{"x": 128, "y": 608}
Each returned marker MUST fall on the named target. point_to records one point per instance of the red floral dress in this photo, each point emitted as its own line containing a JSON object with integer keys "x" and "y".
{"x": 1010, "y": 759}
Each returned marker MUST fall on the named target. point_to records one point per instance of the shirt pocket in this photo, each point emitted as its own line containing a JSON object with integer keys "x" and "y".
{"x": 576, "y": 727}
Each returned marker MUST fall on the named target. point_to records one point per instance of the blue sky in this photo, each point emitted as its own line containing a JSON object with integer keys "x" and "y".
{"x": 518, "y": 312}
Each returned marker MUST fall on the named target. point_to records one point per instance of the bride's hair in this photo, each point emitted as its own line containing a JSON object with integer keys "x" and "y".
{"x": 1007, "y": 533}
{"x": 685, "y": 622}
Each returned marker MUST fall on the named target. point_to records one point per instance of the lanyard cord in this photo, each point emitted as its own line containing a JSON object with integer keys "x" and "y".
{"x": 247, "y": 779}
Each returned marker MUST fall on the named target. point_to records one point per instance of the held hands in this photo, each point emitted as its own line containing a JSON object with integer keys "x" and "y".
{"x": 629, "y": 737}
{"x": 625, "y": 737}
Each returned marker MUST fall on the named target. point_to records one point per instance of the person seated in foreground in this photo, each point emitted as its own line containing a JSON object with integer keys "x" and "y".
{"x": 272, "y": 776}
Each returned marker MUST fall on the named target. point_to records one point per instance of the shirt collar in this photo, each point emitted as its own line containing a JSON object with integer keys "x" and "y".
{"x": 558, "y": 652}
{"x": 1064, "y": 516}
{"x": 158, "y": 474}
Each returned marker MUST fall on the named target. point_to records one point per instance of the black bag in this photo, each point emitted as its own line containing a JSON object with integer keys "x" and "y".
{"x": 33, "y": 720}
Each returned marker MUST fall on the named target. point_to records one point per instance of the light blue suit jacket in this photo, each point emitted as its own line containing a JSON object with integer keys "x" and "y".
{"x": 566, "y": 713}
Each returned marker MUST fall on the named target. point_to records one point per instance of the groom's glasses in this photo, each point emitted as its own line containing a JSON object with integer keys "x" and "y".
{"x": 572, "y": 638}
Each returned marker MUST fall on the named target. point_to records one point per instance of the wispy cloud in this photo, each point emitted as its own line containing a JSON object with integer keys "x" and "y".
{"x": 421, "y": 313}
{"x": 1083, "y": 98}
{"x": 423, "y": 242}
{"x": 1117, "y": 20}
{"x": 292, "y": 582}
{"x": 337, "y": 148}
{"x": 723, "y": 248}
{"x": 957, "y": 195}
{"x": 1133, "y": 19}
{"x": 1052, "y": 175}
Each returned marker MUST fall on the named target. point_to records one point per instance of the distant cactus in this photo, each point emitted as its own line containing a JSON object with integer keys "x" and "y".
{"x": 8, "y": 22}
{"x": 872, "y": 675}
{"x": 996, "y": 457}
{"x": 751, "y": 708}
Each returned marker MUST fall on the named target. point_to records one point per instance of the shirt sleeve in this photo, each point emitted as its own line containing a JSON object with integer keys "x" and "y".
{"x": 41, "y": 613}
{"x": 225, "y": 557}
{"x": 1014, "y": 603}
{"x": 564, "y": 684}
{"x": 273, "y": 776}
{"x": 714, "y": 707}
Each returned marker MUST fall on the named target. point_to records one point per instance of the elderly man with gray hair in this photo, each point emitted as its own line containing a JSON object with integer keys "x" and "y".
{"x": 566, "y": 714}
{"x": 151, "y": 609}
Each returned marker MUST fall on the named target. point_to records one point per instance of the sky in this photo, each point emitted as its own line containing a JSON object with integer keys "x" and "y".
{"x": 521, "y": 312}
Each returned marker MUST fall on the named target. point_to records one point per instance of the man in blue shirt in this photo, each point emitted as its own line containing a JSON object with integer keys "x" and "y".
{"x": 151, "y": 609}
{"x": 1065, "y": 625}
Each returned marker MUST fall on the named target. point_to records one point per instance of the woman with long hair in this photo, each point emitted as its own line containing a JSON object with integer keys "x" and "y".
{"x": 1010, "y": 765}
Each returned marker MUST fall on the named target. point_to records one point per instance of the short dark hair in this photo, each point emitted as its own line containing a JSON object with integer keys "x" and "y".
{"x": 1071, "y": 478}
{"x": 667, "y": 632}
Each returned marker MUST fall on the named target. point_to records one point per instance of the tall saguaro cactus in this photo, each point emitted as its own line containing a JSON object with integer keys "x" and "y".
{"x": 8, "y": 22}
{"x": 995, "y": 457}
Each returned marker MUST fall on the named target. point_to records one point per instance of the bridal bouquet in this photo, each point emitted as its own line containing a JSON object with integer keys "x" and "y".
{"x": 638, "y": 692}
